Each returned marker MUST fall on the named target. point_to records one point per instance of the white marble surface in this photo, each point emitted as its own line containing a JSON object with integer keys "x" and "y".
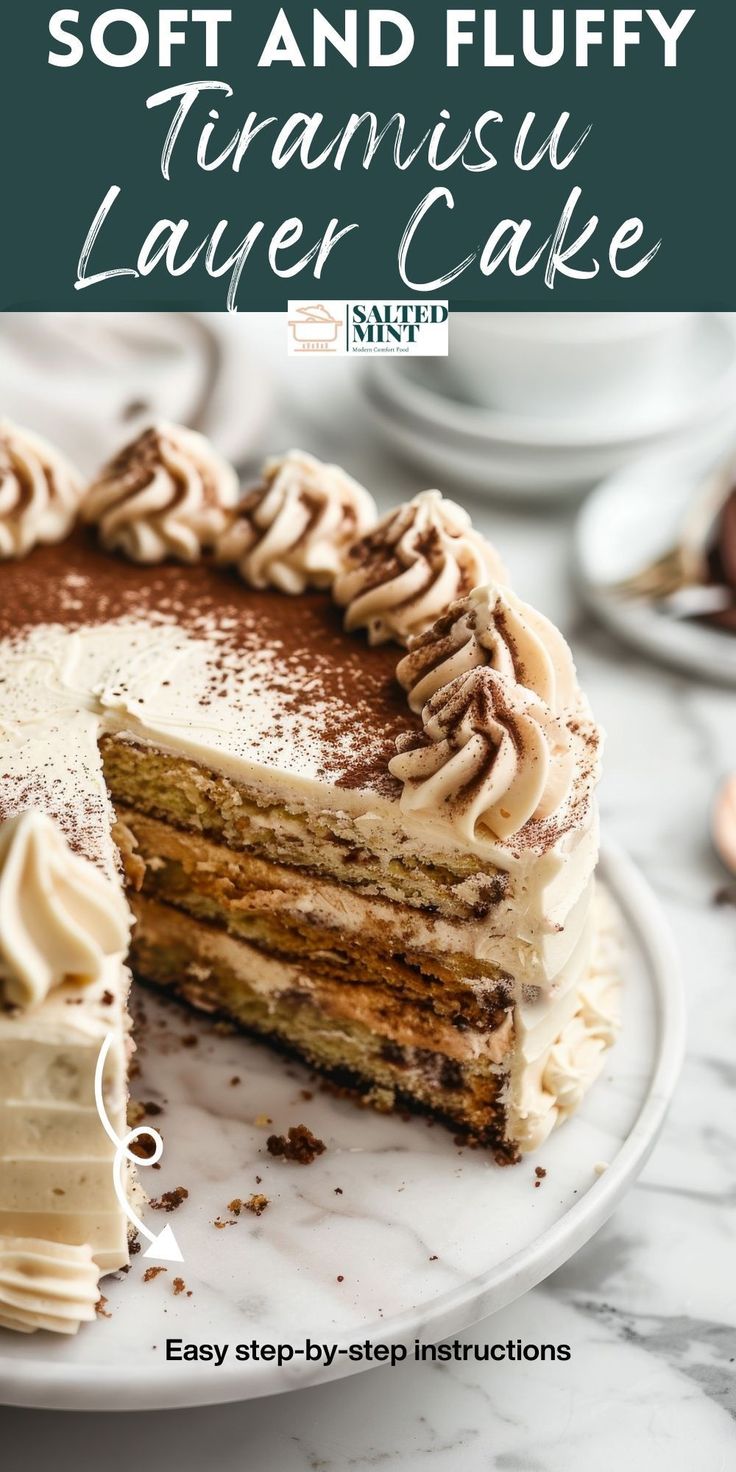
{"x": 648, "y": 1306}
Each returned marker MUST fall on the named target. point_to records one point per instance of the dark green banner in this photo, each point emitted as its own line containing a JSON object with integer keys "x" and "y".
{"x": 553, "y": 156}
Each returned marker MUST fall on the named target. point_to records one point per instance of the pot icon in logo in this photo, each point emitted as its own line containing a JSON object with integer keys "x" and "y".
{"x": 314, "y": 329}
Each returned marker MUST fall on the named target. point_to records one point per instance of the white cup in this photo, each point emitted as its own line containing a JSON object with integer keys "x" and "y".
{"x": 565, "y": 364}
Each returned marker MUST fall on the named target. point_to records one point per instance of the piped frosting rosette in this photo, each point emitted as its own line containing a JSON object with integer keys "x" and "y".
{"x": 46, "y": 1285}
{"x": 294, "y": 529}
{"x": 59, "y": 915}
{"x": 40, "y": 492}
{"x": 416, "y": 561}
{"x": 493, "y": 758}
{"x": 491, "y": 626}
{"x": 167, "y": 494}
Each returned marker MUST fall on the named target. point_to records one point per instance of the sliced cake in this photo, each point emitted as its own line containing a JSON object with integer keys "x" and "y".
{"x": 350, "y": 779}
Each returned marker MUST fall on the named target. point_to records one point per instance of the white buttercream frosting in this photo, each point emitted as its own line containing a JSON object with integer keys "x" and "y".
{"x": 492, "y": 756}
{"x": 550, "y": 1082}
{"x": 59, "y": 915}
{"x": 293, "y": 531}
{"x": 406, "y": 572}
{"x": 491, "y": 626}
{"x": 46, "y": 1285}
{"x": 167, "y": 494}
{"x": 40, "y": 492}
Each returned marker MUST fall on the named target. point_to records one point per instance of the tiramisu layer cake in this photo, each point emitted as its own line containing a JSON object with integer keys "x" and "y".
{"x": 350, "y": 777}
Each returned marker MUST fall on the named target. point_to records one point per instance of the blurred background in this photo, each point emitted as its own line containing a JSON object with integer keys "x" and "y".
{"x": 596, "y": 451}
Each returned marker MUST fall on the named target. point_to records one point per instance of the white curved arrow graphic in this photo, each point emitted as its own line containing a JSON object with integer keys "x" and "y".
{"x": 164, "y": 1244}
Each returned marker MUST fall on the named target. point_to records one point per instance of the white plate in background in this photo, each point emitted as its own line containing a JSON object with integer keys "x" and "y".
{"x": 627, "y": 522}
{"x": 427, "y": 1238}
{"x": 416, "y": 408}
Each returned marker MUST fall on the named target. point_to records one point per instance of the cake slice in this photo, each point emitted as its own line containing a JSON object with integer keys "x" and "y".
{"x": 350, "y": 780}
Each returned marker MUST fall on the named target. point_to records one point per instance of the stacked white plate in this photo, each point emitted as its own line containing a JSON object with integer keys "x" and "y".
{"x": 418, "y": 408}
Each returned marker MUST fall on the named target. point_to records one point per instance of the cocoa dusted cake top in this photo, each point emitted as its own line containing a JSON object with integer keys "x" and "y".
{"x": 258, "y": 637}
{"x": 315, "y": 687}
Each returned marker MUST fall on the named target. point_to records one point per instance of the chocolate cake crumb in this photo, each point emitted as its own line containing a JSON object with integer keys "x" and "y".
{"x": 101, "y": 1308}
{"x": 338, "y": 1190}
{"x": 144, "y": 1147}
{"x": 107, "y": 998}
{"x": 179, "y": 1286}
{"x": 540, "y": 1174}
{"x": 434, "y": 1257}
{"x": 300, "y": 1145}
{"x": 170, "y": 1200}
{"x": 152, "y": 1273}
{"x": 234, "y": 1080}
{"x": 340, "y": 1278}
{"x": 190, "y": 1040}
{"x": 134, "y": 1246}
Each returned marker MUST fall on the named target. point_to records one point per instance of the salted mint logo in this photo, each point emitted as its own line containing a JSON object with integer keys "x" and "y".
{"x": 367, "y": 328}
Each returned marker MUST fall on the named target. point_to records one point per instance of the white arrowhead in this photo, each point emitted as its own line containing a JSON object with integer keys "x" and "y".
{"x": 165, "y": 1246}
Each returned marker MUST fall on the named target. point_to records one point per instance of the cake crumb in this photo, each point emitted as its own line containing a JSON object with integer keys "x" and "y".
{"x": 101, "y": 1308}
{"x": 219, "y": 1223}
{"x": 600, "y": 1167}
{"x": 234, "y": 1080}
{"x": 143, "y": 1148}
{"x": 152, "y": 1273}
{"x": 261, "y": 1120}
{"x": 299, "y": 1145}
{"x": 169, "y": 1200}
{"x": 179, "y": 1286}
{"x": 338, "y": 1191}
{"x": 540, "y": 1174}
{"x": 257, "y": 1204}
